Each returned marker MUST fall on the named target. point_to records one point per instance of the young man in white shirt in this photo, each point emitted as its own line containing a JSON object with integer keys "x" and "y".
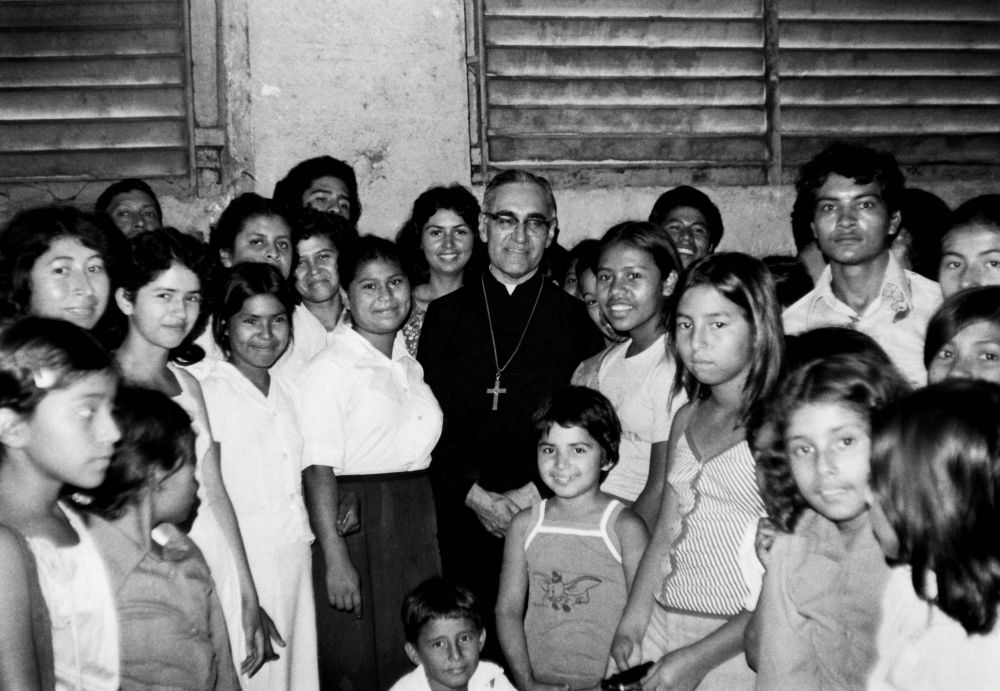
{"x": 856, "y": 195}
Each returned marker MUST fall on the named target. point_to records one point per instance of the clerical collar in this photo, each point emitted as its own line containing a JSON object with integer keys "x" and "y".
{"x": 508, "y": 284}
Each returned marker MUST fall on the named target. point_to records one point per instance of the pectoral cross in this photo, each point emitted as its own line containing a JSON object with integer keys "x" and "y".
{"x": 496, "y": 391}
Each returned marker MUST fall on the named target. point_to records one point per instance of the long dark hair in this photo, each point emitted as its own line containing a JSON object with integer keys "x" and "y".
{"x": 936, "y": 472}
{"x": 746, "y": 282}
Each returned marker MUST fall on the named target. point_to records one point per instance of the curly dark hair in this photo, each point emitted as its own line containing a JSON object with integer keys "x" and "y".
{"x": 859, "y": 380}
{"x": 859, "y": 163}
{"x": 455, "y": 198}
{"x": 155, "y": 251}
{"x": 289, "y": 190}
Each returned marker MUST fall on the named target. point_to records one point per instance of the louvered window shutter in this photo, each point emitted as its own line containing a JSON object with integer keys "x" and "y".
{"x": 919, "y": 78}
{"x": 94, "y": 91}
{"x": 668, "y": 90}
{"x": 655, "y": 92}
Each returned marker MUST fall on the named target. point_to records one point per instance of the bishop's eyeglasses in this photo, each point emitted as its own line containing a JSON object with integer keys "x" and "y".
{"x": 508, "y": 223}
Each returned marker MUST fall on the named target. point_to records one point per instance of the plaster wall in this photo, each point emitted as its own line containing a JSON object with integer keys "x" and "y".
{"x": 756, "y": 218}
{"x": 380, "y": 84}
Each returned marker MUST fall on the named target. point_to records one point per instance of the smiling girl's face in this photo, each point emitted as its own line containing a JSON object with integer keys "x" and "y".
{"x": 69, "y": 281}
{"x": 258, "y": 333}
{"x": 379, "y": 298}
{"x": 164, "y": 311}
{"x": 446, "y": 240}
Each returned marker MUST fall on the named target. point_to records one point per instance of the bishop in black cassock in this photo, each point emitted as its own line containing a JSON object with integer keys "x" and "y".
{"x": 494, "y": 449}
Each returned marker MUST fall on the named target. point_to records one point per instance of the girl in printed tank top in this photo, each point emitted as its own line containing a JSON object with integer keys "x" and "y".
{"x": 572, "y": 556}
{"x": 685, "y": 611}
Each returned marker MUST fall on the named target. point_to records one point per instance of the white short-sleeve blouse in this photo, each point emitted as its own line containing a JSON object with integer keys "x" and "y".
{"x": 261, "y": 452}
{"x": 362, "y": 413}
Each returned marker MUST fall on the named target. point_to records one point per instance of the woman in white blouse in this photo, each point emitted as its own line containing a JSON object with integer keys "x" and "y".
{"x": 253, "y": 418}
{"x": 369, "y": 422}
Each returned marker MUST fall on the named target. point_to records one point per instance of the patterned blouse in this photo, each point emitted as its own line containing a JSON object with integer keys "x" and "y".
{"x": 717, "y": 500}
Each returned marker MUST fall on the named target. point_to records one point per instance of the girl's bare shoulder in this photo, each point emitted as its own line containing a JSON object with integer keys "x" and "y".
{"x": 628, "y": 524}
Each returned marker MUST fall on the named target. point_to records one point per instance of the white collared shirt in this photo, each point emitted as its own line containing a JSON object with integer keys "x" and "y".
{"x": 309, "y": 339}
{"x": 261, "y": 452}
{"x": 896, "y": 319}
{"x": 363, "y": 413}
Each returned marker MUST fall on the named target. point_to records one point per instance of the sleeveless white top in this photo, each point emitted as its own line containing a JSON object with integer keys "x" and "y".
{"x": 81, "y": 608}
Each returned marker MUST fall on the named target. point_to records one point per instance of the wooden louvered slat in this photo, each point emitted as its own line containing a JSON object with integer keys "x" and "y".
{"x": 883, "y": 91}
{"x": 910, "y": 149}
{"x": 94, "y": 43}
{"x": 892, "y": 64}
{"x": 99, "y": 134}
{"x": 624, "y": 62}
{"x": 626, "y": 92}
{"x": 871, "y": 35}
{"x": 913, "y": 10}
{"x": 100, "y": 165}
{"x": 627, "y": 121}
{"x": 611, "y": 174}
{"x": 53, "y": 15}
{"x": 635, "y": 150}
{"x": 867, "y": 121}
{"x": 717, "y": 9}
{"x": 622, "y": 32}
{"x": 94, "y": 90}
{"x": 72, "y": 104}
{"x": 110, "y": 71}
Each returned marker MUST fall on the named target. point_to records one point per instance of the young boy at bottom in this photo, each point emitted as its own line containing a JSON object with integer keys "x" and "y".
{"x": 444, "y": 636}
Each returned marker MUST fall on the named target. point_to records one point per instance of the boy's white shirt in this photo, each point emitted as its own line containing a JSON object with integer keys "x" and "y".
{"x": 487, "y": 677}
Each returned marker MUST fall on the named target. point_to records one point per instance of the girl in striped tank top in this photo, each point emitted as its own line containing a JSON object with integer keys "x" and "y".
{"x": 573, "y": 556}
{"x": 685, "y": 611}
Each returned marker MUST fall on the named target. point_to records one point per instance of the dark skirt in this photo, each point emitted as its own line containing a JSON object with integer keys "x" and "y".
{"x": 395, "y": 550}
